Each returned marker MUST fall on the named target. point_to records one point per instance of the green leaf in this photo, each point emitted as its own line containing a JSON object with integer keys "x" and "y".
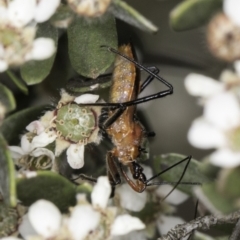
{"x": 15, "y": 124}
{"x": 34, "y": 72}
{"x": 192, "y": 174}
{"x": 17, "y": 82}
{"x": 78, "y": 84}
{"x": 63, "y": 17}
{"x": 47, "y": 185}
{"x": 9, "y": 220}
{"x": 227, "y": 183}
{"x": 214, "y": 201}
{"x": 7, "y": 174}
{"x": 6, "y": 98}
{"x": 193, "y": 13}
{"x": 126, "y": 13}
{"x": 85, "y": 39}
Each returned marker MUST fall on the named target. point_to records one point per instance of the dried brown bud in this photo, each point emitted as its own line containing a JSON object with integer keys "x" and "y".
{"x": 223, "y": 38}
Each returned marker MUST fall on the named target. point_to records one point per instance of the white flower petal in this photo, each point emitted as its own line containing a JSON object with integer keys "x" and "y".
{"x": 165, "y": 223}
{"x": 225, "y": 158}
{"x": 3, "y": 15}
{"x": 134, "y": 235}
{"x": 223, "y": 110}
{"x": 3, "y": 65}
{"x": 101, "y": 192}
{"x": 43, "y": 151}
{"x": 20, "y": 13}
{"x": 86, "y": 98}
{"x": 43, "y": 139}
{"x": 42, "y": 48}
{"x": 231, "y": 8}
{"x": 45, "y": 218}
{"x": 202, "y": 86}
{"x": 35, "y": 127}
{"x": 124, "y": 224}
{"x": 204, "y": 135}
{"x": 237, "y": 67}
{"x": 147, "y": 171}
{"x": 75, "y": 156}
{"x": 16, "y": 152}
{"x": 47, "y": 118}
{"x": 45, "y": 9}
{"x": 26, "y": 229}
{"x": 130, "y": 199}
{"x": 61, "y": 145}
{"x": 83, "y": 220}
{"x": 10, "y": 238}
{"x": 25, "y": 144}
{"x": 176, "y": 197}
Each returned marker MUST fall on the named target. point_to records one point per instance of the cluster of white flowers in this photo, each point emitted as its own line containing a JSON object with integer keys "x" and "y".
{"x": 136, "y": 202}
{"x": 91, "y": 221}
{"x": 18, "y": 19}
{"x": 69, "y": 125}
{"x": 219, "y": 127}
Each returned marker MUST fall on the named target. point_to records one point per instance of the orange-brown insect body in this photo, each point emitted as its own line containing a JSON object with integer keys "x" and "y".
{"x": 126, "y": 133}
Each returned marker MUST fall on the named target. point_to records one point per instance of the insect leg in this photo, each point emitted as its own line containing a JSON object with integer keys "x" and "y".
{"x": 188, "y": 159}
{"x": 113, "y": 117}
{"x": 136, "y": 170}
{"x": 80, "y": 84}
{"x": 87, "y": 178}
{"x": 153, "y": 69}
{"x": 113, "y": 169}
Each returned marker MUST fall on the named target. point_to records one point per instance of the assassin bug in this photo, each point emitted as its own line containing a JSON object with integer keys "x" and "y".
{"x": 122, "y": 125}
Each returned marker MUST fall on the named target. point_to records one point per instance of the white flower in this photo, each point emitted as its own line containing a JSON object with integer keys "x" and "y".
{"x": 92, "y": 221}
{"x": 130, "y": 199}
{"x": 18, "y": 20}
{"x": 101, "y": 192}
{"x": 21, "y": 12}
{"x": 43, "y": 219}
{"x": 176, "y": 197}
{"x": 231, "y": 9}
{"x": 70, "y": 125}
{"x": 219, "y": 127}
{"x": 29, "y": 151}
{"x": 83, "y": 220}
{"x": 42, "y": 48}
{"x": 124, "y": 224}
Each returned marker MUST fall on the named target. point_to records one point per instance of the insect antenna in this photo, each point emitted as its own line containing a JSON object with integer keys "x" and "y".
{"x": 188, "y": 159}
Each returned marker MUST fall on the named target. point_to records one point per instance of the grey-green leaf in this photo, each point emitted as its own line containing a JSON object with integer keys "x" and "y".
{"x": 19, "y": 83}
{"x": 85, "y": 39}
{"x": 7, "y": 99}
{"x": 34, "y": 72}
{"x": 47, "y": 185}
{"x": 192, "y": 174}
{"x": 15, "y": 124}
{"x": 191, "y": 14}
{"x": 214, "y": 201}
{"x": 7, "y": 174}
{"x": 126, "y": 13}
{"x": 9, "y": 220}
{"x": 63, "y": 17}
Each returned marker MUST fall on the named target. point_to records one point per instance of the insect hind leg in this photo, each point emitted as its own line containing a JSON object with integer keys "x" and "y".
{"x": 149, "y": 79}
